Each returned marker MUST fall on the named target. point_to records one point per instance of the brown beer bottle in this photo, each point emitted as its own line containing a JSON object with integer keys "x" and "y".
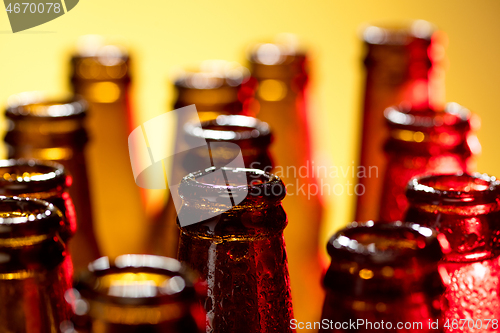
{"x": 35, "y": 269}
{"x": 101, "y": 74}
{"x": 232, "y": 224}
{"x": 402, "y": 64}
{"x": 383, "y": 278}
{"x": 216, "y": 87}
{"x": 54, "y": 130}
{"x": 280, "y": 72}
{"x": 135, "y": 294}
{"x": 424, "y": 142}
{"x": 465, "y": 209}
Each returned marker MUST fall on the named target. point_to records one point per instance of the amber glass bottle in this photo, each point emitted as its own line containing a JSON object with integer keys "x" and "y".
{"x": 465, "y": 209}
{"x": 238, "y": 249}
{"x": 384, "y": 278}
{"x": 136, "y": 294}
{"x": 101, "y": 74}
{"x": 402, "y": 64}
{"x": 280, "y": 72}
{"x": 54, "y": 130}
{"x": 216, "y": 87}
{"x": 427, "y": 142}
{"x": 35, "y": 269}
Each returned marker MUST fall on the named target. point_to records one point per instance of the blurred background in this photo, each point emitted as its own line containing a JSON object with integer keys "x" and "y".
{"x": 166, "y": 35}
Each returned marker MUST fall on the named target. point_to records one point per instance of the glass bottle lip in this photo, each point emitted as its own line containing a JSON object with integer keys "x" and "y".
{"x": 27, "y": 217}
{"x": 235, "y": 128}
{"x": 36, "y": 105}
{"x": 42, "y": 176}
{"x": 469, "y": 189}
{"x": 404, "y": 242}
{"x": 179, "y": 283}
{"x": 401, "y": 34}
{"x": 213, "y": 74}
{"x": 256, "y": 185}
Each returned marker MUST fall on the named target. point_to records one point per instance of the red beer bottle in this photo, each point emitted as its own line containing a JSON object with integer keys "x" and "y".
{"x": 281, "y": 76}
{"x": 101, "y": 73}
{"x": 383, "y": 278}
{"x": 35, "y": 269}
{"x": 402, "y": 64}
{"x": 238, "y": 249}
{"x": 135, "y": 294}
{"x": 424, "y": 142}
{"x": 54, "y": 130}
{"x": 216, "y": 87}
{"x": 465, "y": 209}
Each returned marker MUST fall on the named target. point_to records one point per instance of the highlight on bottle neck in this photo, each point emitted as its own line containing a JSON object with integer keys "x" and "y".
{"x": 137, "y": 291}
{"x": 384, "y": 260}
{"x": 214, "y": 85}
{"x": 432, "y": 131}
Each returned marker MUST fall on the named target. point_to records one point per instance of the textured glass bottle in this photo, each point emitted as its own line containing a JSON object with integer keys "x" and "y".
{"x": 101, "y": 74}
{"x": 35, "y": 269}
{"x": 466, "y": 210}
{"x": 280, "y": 73}
{"x": 239, "y": 250}
{"x": 135, "y": 294}
{"x": 402, "y": 65}
{"x": 382, "y": 275}
{"x": 427, "y": 142}
{"x": 54, "y": 130}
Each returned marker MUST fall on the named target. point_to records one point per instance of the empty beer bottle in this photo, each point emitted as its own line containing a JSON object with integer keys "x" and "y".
{"x": 383, "y": 278}
{"x": 232, "y": 225}
{"x": 280, "y": 72}
{"x": 426, "y": 142}
{"x": 465, "y": 209}
{"x": 54, "y": 130}
{"x": 101, "y": 73}
{"x": 35, "y": 270}
{"x": 135, "y": 294}
{"x": 402, "y": 64}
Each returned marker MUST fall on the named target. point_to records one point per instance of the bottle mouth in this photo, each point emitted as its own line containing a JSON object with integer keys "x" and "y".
{"x": 230, "y": 128}
{"x": 213, "y": 74}
{"x": 398, "y": 34}
{"x": 27, "y": 176}
{"x": 454, "y": 189}
{"x": 27, "y": 221}
{"x": 135, "y": 280}
{"x": 34, "y": 104}
{"x": 395, "y": 244}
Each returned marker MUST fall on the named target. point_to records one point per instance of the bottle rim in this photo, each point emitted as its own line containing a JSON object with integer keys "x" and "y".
{"x": 36, "y": 105}
{"x": 469, "y": 189}
{"x": 401, "y": 34}
{"x": 212, "y": 74}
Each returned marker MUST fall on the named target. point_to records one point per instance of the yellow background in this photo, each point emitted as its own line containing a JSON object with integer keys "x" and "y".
{"x": 166, "y": 34}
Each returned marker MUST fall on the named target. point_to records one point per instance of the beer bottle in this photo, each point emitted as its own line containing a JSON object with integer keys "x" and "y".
{"x": 280, "y": 72}
{"x": 35, "y": 269}
{"x": 232, "y": 224}
{"x": 465, "y": 209}
{"x": 383, "y": 278}
{"x": 54, "y": 130}
{"x": 402, "y": 64}
{"x": 424, "y": 142}
{"x": 100, "y": 73}
{"x": 135, "y": 294}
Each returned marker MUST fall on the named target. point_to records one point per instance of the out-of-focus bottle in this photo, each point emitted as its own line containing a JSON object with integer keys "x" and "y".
{"x": 101, "y": 74}
{"x": 465, "y": 209}
{"x": 280, "y": 72}
{"x": 35, "y": 269}
{"x": 427, "y": 142}
{"x": 238, "y": 248}
{"x": 383, "y": 275}
{"x": 54, "y": 130}
{"x": 216, "y": 87}
{"x": 402, "y": 64}
{"x": 135, "y": 294}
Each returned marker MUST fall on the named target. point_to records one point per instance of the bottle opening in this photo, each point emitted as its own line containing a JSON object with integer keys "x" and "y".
{"x": 35, "y": 104}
